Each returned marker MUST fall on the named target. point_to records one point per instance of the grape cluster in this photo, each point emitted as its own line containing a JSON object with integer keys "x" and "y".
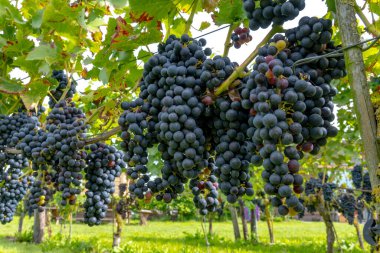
{"x": 367, "y": 195}
{"x": 14, "y": 184}
{"x": 205, "y": 190}
{"x": 263, "y": 13}
{"x": 357, "y": 176}
{"x": 170, "y": 88}
{"x": 66, "y": 127}
{"x": 313, "y": 38}
{"x": 240, "y": 36}
{"x": 292, "y": 108}
{"x": 314, "y": 185}
{"x": 14, "y": 127}
{"x": 362, "y": 181}
{"x": 232, "y": 149}
{"x": 173, "y": 113}
{"x": 104, "y": 164}
{"x": 125, "y": 202}
{"x": 56, "y": 94}
{"x": 269, "y": 118}
{"x": 55, "y": 154}
{"x": 136, "y": 135}
{"x": 346, "y": 204}
{"x": 40, "y": 194}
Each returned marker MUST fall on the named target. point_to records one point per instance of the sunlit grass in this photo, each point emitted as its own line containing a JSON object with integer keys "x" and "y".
{"x": 165, "y": 236}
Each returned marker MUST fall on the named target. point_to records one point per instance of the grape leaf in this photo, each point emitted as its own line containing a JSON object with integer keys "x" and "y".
{"x": 158, "y": 8}
{"x": 42, "y": 52}
{"x": 9, "y": 87}
{"x": 37, "y": 19}
{"x": 9, "y": 10}
{"x": 34, "y": 92}
{"x": 104, "y": 75}
{"x": 230, "y": 11}
{"x": 331, "y": 5}
{"x": 204, "y": 25}
{"x": 3, "y": 42}
{"x": 374, "y": 6}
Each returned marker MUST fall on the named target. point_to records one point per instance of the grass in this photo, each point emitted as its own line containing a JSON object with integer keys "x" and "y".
{"x": 183, "y": 237}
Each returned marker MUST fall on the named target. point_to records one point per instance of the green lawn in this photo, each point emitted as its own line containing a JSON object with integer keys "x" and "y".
{"x": 181, "y": 237}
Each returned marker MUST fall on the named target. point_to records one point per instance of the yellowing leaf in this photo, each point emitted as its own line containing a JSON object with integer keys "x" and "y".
{"x": 204, "y": 25}
{"x": 97, "y": 36}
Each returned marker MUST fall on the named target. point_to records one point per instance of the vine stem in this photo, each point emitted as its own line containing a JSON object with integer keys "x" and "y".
{"x": 204, "y": 233}
{"x": 226, "y": 84}
{"x": 191, "y": 17}
{"x": 103, "y": 136}
{"x": 370, "y": 27}
{"x": 69, "y": 78}
{"x": 351, "y": 189}
{"x": 13, "y": 151}
{"x": 63, "y": 96}
{"x": 96, "y": 112}
{"x": 227, "y": 43}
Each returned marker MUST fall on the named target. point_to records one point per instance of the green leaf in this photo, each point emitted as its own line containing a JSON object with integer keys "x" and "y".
{"x": 34, "y": 92}
{"x": 230, "y": 11}
{"x": 204, "y": 25}
{"x": 37, "y": 19}
{"x": 157, "y": 9}
{"x": 42, "y": 52}
{"x": 93, "y": 26}
{"x": 3, "y": 42}
{"x": 65, "y": 21}
{"x": 144, "y": 55}
{"x": 374, "y": 6}
{"x": 10, "y": 87}
{"x": 104, "y": 75}
{"x": 44, "y": 68}
{"x": 331, "y": 5}
{"x": 118, "y": 3}
{"x": 8, "y": 9}
{"x": 178, "y": 26}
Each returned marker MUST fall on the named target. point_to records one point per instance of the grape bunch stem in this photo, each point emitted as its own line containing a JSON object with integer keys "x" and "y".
{"x": 226, "y": 84}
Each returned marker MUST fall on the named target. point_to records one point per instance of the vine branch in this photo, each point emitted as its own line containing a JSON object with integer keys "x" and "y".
{"x": 226, "y": 84}
{"x": 227, "y": 43}
{"x": 103, "y": 136}
{"x": 13, "y": 151}
{"x": 337, "y": 53}
{"x": 370, "y": 27}
{"x": 63, "y": 96}
{"x": 351, "y": 189}
{"x": 191, "y": 17}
